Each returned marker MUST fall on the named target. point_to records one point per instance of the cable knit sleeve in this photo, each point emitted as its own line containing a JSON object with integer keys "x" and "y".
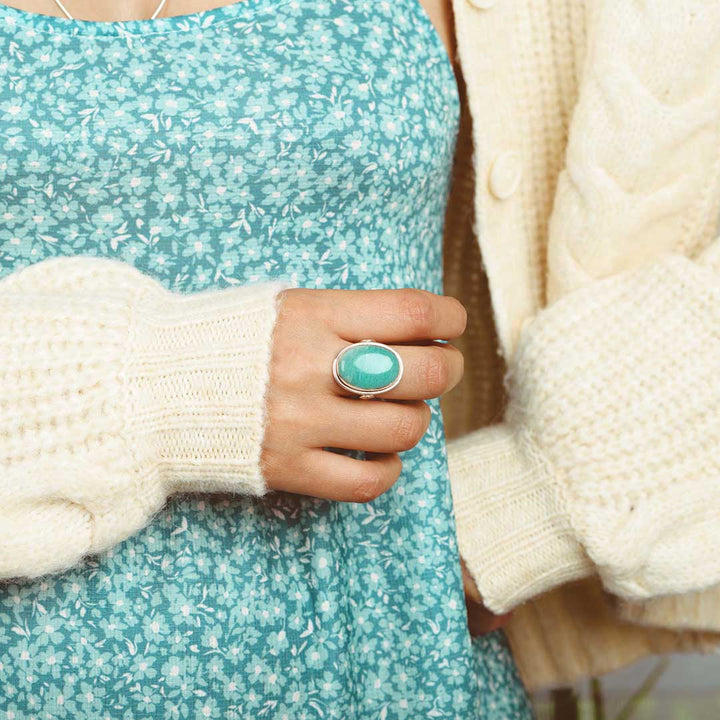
{"x": 116, "y": 393}
{"x": 609, "y": 457}
{"x": 607, "y": 461}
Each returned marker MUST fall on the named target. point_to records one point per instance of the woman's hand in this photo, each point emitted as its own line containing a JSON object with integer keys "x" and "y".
{"x": 480, "y": 619}
{"x": 307, "y": 410}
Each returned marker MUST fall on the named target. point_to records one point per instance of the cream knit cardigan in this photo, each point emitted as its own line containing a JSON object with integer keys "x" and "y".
{"x": 584, "y": 455}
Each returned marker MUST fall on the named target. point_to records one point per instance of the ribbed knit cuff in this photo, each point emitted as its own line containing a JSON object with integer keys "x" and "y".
{"x": 512, "y": 531}
{"x": 197, "y": 375}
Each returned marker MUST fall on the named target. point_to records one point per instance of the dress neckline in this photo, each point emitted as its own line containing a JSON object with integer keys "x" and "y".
{"x": 60, "y": 25}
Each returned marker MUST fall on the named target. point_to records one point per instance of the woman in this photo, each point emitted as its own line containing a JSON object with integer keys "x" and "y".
{"x": 605, "y": 113}
{"x": 253, "y": 146}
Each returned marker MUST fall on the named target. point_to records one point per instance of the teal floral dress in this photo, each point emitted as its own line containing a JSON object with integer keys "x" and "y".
{"x": 310, "y": 140}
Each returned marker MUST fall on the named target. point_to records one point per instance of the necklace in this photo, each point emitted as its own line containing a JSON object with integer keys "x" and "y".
{"x": 70, "y": 17}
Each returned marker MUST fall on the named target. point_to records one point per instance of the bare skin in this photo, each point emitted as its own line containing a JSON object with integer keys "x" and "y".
{"x": 324, "y": 321}
{"x": 308, "y": 410}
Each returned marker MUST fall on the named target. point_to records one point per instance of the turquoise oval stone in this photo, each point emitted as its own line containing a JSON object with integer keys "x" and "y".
{"x": 369, "y": 367}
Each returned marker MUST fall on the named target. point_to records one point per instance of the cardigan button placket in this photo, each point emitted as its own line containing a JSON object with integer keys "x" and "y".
{"x": 482, "y": 4}
{"x": 505, "y": 174}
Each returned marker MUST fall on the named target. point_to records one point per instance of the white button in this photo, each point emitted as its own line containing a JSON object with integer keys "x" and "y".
{"x": 482, "y": 4}
{"x": 505, "y": 174}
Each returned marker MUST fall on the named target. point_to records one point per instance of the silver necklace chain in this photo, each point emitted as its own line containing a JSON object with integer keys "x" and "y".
{"x": 70, "y": 17}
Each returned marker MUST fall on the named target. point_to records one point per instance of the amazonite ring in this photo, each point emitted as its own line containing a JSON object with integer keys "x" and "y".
{"x": 367, "y": 368}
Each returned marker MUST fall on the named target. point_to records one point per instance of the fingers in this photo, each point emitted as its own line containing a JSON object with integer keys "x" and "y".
{"x": 308, "y": 410}
{"x": 381, "y": 427}
{"x": 428, "y": 371}
{"x": 481, "y": 620}
{"x": 392, "y": 315}
{"x": 333, "y": 476}
{"x": 471, "y": 591}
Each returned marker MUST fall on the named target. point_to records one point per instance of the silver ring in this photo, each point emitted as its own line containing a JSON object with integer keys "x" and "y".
{"x": 352, "y": 368}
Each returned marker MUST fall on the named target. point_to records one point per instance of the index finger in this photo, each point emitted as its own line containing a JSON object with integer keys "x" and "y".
{"x": 394, "y": 315}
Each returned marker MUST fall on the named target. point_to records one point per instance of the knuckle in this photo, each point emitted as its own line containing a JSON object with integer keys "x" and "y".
{"x": 418, "y": 310}
{"x": 284, "y": 416}
{"x": 408, "y": 428}
{"x": 297, "y": 369}
{"x": 270, "y": 466}
{"x": 436, "y": 372}
{"x": 284, "y": 297}
{"x": 299, "y": 308}
{"x": 295, "y": 299}
{"x": 368, "y": 487}
{"x": 289, "y": 304}
{"x": 282, "y": 370}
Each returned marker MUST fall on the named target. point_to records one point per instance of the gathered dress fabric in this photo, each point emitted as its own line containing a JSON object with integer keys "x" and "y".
{"x": 295, "y": 139}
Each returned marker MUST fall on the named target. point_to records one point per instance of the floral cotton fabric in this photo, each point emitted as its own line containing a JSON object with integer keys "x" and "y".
{"x": 300, "y": 139}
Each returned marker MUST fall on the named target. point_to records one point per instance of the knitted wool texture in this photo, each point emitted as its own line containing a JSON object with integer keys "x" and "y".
{"x": 614, "y": 111}
{"x": 604, "y": 462}
{"x": 117, "y": 393}
{"x": 625, "y": 480}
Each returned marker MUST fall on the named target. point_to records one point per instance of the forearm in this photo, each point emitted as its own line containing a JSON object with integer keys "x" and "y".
{"x": 117, "y": 393}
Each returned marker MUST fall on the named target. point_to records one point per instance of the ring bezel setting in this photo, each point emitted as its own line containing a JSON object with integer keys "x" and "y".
{"x": 361, "y": 392}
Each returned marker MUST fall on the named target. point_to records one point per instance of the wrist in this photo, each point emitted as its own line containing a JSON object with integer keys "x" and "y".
{"x": 513, "y": 532}
{"x": 197, "y": 374}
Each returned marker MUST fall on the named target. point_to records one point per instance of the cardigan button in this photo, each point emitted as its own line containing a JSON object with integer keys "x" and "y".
{"x": 505, "y": 175}
{"x": 482, "y": 4}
